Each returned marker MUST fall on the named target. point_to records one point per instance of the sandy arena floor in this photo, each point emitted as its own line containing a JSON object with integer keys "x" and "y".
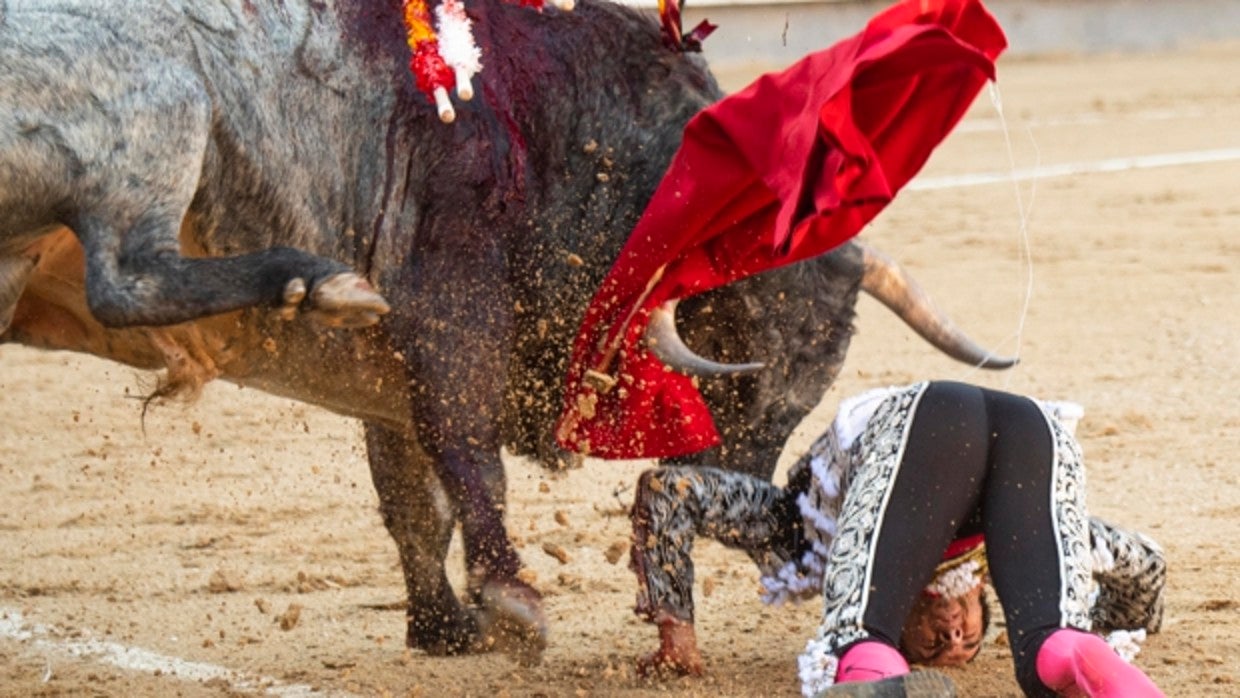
{"x": 234, "y": 548}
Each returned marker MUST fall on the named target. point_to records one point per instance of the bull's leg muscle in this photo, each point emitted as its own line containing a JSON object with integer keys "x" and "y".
{"x": 419, "y": 517}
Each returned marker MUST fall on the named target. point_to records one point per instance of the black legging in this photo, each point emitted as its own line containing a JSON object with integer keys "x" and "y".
{"x": 976, "y": 459}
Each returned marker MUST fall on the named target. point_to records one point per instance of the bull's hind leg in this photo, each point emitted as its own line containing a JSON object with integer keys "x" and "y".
{"x": 419, "y": 517}
{"x": 117, "y": 156}
{"x": 135, "y": 277}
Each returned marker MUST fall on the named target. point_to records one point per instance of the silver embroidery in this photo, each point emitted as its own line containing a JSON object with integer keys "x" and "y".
{"x": 1071, "y": 528}
{"x": 870, "y": 467}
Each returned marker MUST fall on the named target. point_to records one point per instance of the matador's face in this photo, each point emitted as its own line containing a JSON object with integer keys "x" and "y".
{"x": 944, "y": 632}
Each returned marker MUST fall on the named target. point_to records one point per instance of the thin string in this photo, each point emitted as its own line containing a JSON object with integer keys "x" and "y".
{"x": 1023, "y": 211}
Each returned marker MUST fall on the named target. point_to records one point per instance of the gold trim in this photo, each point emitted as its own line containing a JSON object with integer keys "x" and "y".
{"x": 975, "y": 554}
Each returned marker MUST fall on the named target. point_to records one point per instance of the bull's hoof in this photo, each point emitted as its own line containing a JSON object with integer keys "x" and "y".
{"x": 342, "y": 300}
{"x": 442, "y": 639}
{"x": 511, "y": 620}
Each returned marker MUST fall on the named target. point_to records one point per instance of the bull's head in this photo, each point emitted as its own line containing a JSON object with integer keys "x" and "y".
{"x": 883, "y": 279}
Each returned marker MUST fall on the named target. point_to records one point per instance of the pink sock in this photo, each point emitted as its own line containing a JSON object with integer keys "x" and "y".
{"x": 1075, "y": 663}
{"x": 870, "y": 660}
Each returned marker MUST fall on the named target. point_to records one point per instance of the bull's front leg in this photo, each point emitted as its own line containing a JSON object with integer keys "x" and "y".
{"x": 419, "y": 517}
{"x": 456, "y": 342}
{"x": 509, "y": 611}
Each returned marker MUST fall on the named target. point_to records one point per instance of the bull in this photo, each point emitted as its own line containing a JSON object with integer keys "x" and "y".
{"x": 179, "y": 179}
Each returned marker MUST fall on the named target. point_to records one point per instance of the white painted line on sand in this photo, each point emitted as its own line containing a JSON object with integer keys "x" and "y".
{"x": 1138, "y": 162}
{"x": 13, "y": 626}
{"x": 988, "y": 125}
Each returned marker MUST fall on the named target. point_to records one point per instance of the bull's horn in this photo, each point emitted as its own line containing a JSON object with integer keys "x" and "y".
{"x": 887, "y": 282}
{"x": 665, "y": 343}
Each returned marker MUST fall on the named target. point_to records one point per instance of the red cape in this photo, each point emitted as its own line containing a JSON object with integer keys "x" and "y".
{"x": 789, "y": 168}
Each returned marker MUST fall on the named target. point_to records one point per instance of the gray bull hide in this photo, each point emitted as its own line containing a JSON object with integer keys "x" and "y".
{"x": 175, "y": 178}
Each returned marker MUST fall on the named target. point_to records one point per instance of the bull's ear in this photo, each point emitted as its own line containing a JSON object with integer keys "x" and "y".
{"x": 664, "y": 342}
